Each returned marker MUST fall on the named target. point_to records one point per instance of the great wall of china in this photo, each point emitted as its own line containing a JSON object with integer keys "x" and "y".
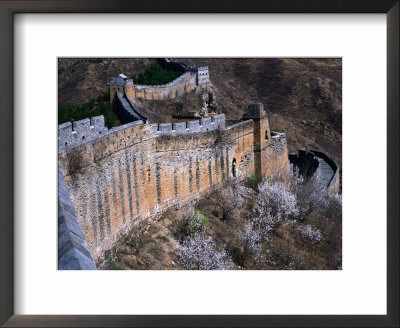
{"x": 110, "y": 179}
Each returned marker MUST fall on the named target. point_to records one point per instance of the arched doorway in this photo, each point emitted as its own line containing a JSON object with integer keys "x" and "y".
{"x": 234, "y": 167}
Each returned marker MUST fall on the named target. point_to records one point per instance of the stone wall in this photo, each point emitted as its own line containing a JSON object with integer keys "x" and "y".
{"x": 204, "y": 124}
{"x": 73, "y": 250}
{"x": 80, "y": 131}
{"x": 133, "y": 172}
{"x": 178, "y": 87}
{"x": 332, "y": 178}
{"x": 126, "y": 112}
{"x": 191, "y": 77}
{"x": 318, "y": 165}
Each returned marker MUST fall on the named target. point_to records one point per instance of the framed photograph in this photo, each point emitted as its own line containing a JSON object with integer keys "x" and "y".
{"x": 208, "y": 164}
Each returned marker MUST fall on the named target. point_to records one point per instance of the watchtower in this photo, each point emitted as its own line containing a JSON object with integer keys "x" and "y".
{"x": 262, "y": 135}
{"x": 203, "y": 76}
{"x": 117, "y": 85}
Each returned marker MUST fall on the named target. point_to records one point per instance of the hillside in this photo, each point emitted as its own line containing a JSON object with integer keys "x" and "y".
{"x": 304, "y": 95}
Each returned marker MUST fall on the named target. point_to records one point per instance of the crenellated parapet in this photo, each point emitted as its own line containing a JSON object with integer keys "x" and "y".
{"x": 89, "y": 130}
{"x": 78, "y": 132}
{"x": 194, "y": 126}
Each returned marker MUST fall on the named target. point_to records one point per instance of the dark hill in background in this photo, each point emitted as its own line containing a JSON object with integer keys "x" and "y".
{"x": 304, "y": 95}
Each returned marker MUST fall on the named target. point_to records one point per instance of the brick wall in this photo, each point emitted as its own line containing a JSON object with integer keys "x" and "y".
{"x": 133, "y": 172}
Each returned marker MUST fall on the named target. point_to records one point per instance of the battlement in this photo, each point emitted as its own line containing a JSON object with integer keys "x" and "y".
{"x": 204, "y": 124}
{"x": 89, "y": 130}
{"x": 81, "y": 131}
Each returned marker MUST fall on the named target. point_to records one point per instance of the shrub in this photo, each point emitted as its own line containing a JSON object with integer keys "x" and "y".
{"x": 252, "y": 181}
{"x": 155, "y": 74}
{"x": 311, "y": 233}
{"x": 195, "y": 222}
{"x": 200, "y": 253}
{"x": 112, "y": 265}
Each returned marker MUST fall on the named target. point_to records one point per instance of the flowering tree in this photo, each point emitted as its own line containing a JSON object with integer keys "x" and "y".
{"x": 251, "y": 241}
{"x": 200, "y": 253}
{"x": 275, "y": 199}
{"x": 231, "y": 197}
{"x": 263, "y": 223}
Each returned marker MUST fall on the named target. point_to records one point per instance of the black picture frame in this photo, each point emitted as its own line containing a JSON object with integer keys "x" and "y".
{"x": 7, "y": 10}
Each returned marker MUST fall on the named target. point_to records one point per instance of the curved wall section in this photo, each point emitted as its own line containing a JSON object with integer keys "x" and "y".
{"x": 315, "y": 163}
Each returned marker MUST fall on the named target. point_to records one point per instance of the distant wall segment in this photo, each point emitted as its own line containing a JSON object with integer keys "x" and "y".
{"x": 191, "y": 77}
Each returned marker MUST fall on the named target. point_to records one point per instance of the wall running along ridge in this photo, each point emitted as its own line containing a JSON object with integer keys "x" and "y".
{"x": 137, "y": 170}
{"x": 191, "y": 77}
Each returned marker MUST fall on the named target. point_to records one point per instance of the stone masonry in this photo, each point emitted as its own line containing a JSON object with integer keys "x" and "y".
{"x": 137, "y": 170}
